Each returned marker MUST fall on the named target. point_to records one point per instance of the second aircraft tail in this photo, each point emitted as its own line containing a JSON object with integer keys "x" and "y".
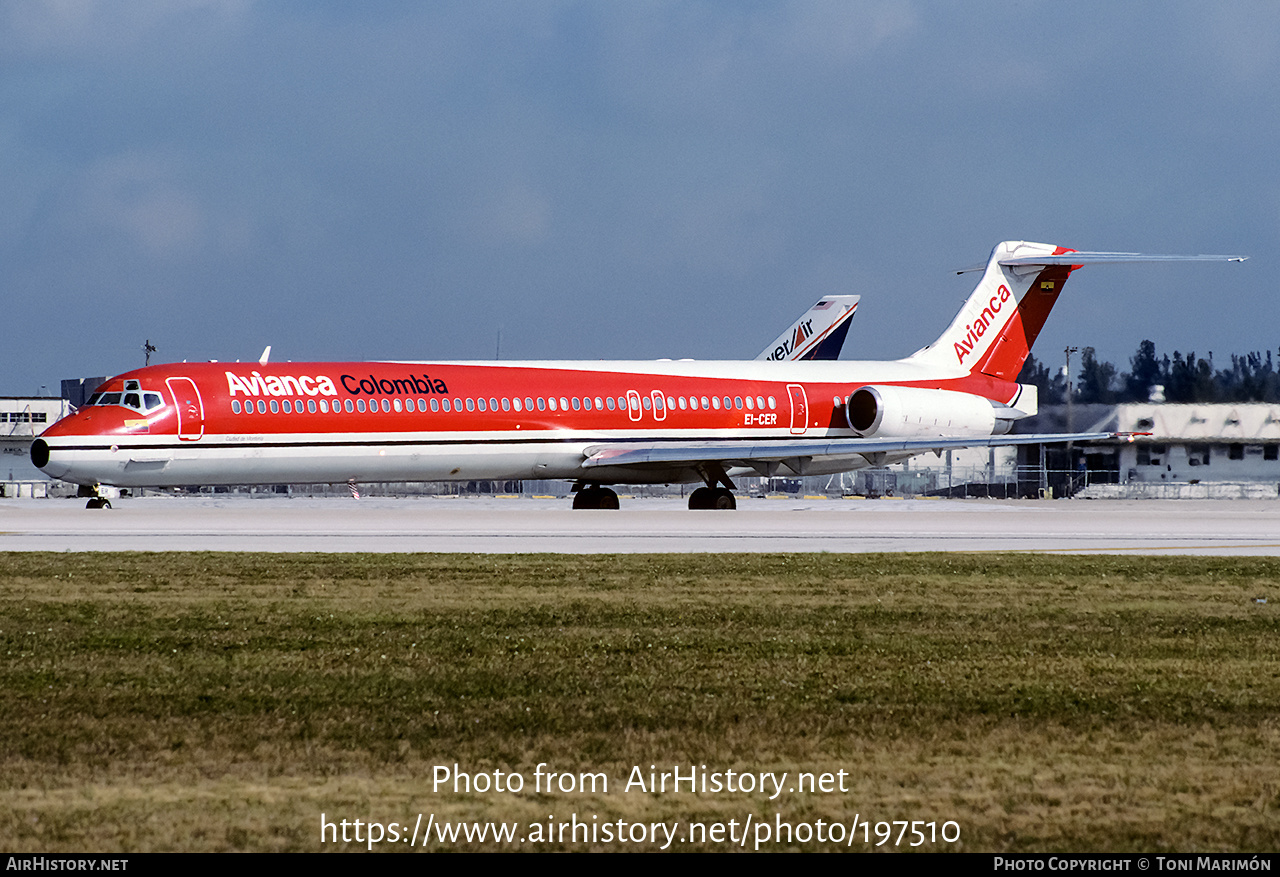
{"x": 818, "y": 334}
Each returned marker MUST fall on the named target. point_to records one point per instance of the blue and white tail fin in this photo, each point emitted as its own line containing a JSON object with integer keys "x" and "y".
{"x": 818, "y": 334}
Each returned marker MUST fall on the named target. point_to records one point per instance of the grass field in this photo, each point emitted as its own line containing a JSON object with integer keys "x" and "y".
{"x": 224, "y": 701}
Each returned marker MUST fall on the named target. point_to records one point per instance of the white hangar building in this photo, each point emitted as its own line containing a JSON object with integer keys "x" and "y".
{"x": 1221, "y": 442}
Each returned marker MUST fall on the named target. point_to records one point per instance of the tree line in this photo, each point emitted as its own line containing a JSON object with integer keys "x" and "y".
{"x": 1185, "y": 378}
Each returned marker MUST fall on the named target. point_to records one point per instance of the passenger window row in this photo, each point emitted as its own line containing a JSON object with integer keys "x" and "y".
{"x": 528, "y": 403}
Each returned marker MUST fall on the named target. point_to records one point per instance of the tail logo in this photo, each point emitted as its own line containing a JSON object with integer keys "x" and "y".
{"x": 802, "y": 334}
{"x": 803, "y": 331}
{"x": 978, "y": 328}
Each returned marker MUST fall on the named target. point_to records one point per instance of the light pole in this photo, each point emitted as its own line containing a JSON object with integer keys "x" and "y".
{"x": 1067, "y": 373}
{"x": 1071, "y": 426}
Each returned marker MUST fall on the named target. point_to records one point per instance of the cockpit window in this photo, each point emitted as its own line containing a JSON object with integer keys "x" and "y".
{"x": 131, "y": 398}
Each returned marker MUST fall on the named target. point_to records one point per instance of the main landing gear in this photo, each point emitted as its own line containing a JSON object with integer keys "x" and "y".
{"x": 718, "y": 498}
{"x": 593, "y": 496}
{"x": 718, "y": 494}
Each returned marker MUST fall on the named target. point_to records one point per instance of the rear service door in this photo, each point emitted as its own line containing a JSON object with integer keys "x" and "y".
{"x": 799, "y": 409}
{"x": 186, "y": 400}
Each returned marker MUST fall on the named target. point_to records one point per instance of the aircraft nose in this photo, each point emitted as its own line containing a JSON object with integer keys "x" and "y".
{"x": 42, "y": 457}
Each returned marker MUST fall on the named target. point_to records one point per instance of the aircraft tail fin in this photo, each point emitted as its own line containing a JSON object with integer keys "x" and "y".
{"x": 818, "y": 334}
{"x": 995, "y": 328}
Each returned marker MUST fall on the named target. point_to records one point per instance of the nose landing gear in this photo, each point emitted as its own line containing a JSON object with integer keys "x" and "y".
{"x": 96, "y": 500}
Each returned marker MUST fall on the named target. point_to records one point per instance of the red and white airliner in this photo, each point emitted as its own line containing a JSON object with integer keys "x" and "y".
{"x": 793, "y": 411}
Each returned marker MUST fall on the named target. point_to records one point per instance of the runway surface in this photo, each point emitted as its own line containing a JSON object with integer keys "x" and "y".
{"x": 519, "y": 525}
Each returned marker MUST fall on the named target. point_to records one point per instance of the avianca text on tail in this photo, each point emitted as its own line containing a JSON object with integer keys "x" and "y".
{"x": 988, "y": 316}
{"x": 794, "y": 410}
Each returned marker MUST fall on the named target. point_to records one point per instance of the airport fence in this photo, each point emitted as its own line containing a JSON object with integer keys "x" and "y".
{"x": 1004, "y": 482}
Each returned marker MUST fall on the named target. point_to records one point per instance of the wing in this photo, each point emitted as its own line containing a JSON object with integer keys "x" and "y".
{"x": 803, "y": 457}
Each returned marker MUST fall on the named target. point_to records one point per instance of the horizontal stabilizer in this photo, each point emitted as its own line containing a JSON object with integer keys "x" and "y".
{"x": 1086, "y": 258}
{"x": 1079, "y": 258}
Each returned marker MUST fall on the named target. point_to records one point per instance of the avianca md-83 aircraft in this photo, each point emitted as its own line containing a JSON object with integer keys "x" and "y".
{"x": 593, "y": 423}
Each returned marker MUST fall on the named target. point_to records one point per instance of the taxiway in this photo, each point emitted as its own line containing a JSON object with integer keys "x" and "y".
{"x": 521, "y": 525}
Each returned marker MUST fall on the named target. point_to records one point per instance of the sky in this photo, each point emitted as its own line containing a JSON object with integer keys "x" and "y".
{"x": 602, "y": 180}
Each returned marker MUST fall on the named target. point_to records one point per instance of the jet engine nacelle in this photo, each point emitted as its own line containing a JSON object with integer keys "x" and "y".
{"x": 909, "y": 412}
